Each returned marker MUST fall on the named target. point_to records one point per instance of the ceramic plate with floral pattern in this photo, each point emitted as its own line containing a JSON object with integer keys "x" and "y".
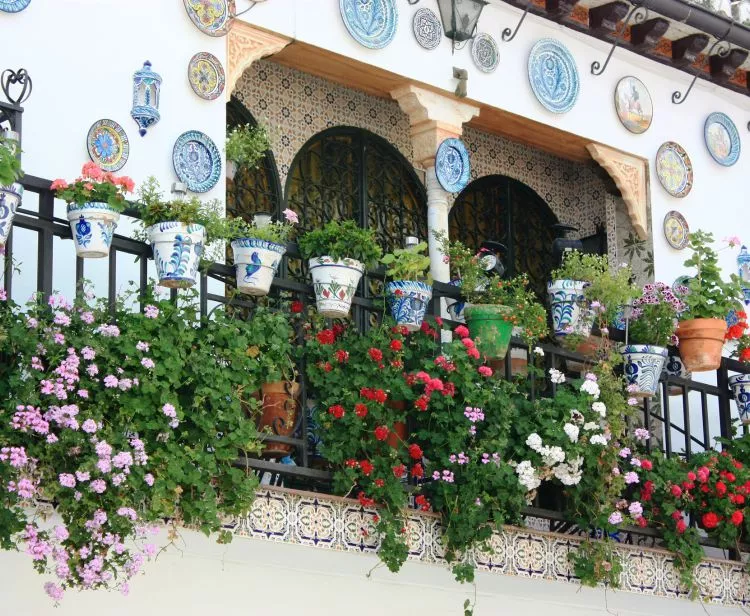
{"x": 197, "y": 161}
{"x": 674, "y": 169}
{"x": 206, "y": 75}
{"x": 485, "y": 53}
{"x": 108, "y": 145}
{"x": 212, "y": 17}
{"x": 13, "y": 6}
{"x": 372, "y": 23}
{"x": 553, "y": 75}
{"x": 722, "y": 139}
{"x": 452, "y": 165}
{"x": 676, "y": 230}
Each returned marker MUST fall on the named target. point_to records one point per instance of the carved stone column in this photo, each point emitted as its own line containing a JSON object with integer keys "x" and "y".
{"x": 246, "y": 44}
{"x": 433, "y": 118}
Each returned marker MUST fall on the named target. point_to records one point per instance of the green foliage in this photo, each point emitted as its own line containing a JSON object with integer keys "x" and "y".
{"x": 341, "y": 240}
{"x": 655, "y": 313}
{"x": 408, "y": 263}
{"x": 595, "y": 562}
{"x": 247, "y": 145}
{"x": 277, "y": 232}
{"x": 708, "y": 296}
{"x": 10, "y": 164}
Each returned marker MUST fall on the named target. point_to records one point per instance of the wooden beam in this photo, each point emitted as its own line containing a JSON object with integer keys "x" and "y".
{"x": 646, "y": 36}
{"x": 560, "y": 9}
{"x": 685, "y": 50}
{"x": 604, "y": 19}
{"x": 723, "y": 67}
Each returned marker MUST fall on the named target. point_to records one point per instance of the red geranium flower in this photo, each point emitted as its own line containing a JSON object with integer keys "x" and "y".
{"x": 421, "y": 403}
{"x": 646, "y": 465}
{"x": 327, "y": 366}
{"x": 366, "y": 467}
{"x": 422, "y": 502}
{"x": 710, "y": 520}
{"x": 461, "y": 331}
{"x": 326, "y": 337}
{"x": 676, "y": 491}
{"x": 351, "y": 463}
{"x": 449, "y": 389}
{"x": 737, "y": 518}
{"x": 473, "y": 353}
{"x": 381, "y": 433}
{"x": 364, "y": 501}
{"x": 337, "y": 411}
{"x": 396, "y": 345}
{"x": 721, "y": 488}
{"x": 484, "y": 370}
{"x": 342, "y": 356}
{"x": 379, "y": 396}
{"x": 379, "y": 483}
{"x": 375, "y": 354}
{"x": 417, "y": 471}
{"x": 360, "y": 410}
{"x": 681, "y": 526}
{"x": 296, "y": 307}
{"x": 399, "y": 471}
{"x": 642, "y": 522}
{"x": 338, "y": 329}
{"x": 415, "y": 451}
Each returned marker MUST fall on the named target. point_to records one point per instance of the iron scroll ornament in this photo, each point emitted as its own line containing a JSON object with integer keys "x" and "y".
{"x": 10, "y": 78}
{"x": 722, "y": 49}
{"x": 638, "y": 13}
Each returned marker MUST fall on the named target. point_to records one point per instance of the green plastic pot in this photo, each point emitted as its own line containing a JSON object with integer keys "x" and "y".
{"x": 490, "y": 331}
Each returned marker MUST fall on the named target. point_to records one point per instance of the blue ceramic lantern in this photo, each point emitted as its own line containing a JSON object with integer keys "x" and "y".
{"x": 146, "y": 87}
{"x": 743, "y": 269}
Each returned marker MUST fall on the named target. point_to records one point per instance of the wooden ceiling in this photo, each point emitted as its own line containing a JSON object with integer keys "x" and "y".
{"x": 378, "y": 82}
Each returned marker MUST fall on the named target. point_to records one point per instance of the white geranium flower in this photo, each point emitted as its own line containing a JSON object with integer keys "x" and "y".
{"x": 539, "y": 351}
{"x": 556, "y": 376}
{"x": 534, "y": 441}
{"x": 599, "y": 407}
{"x": 591, "y": 388}
{"x": 590, "y": 425}
{"x": 598, "y": 439}
{"x": 572, "y": 432}
{"x": 552, "y": 455}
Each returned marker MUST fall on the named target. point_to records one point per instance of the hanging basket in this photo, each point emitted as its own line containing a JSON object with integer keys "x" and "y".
{"x": 177, "y": 252}
{"x": 740, "y": 384}
{"x": 568, "y": 307}
{"x": 93, "y": 227}
{"x": 335, "y": 283}
{"x": 489, "y": 329}
{"x": 643, "y": 366}
{"x": 256, "y": 263}
{"x": 408, "y": 300}
{"x": 701, "y": 343}
{"x": 10, "y": 199}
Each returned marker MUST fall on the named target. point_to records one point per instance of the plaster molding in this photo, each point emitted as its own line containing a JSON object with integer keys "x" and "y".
{"x": 630, "y": 174}
{"x": 245, "y": 45}
{"x": 433, "y": 118}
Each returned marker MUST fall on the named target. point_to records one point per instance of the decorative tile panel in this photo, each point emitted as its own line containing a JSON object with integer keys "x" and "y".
{"x": 330, "y": 522}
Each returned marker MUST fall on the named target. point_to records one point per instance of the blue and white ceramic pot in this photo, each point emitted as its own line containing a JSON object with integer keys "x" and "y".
{"x": 10, "y": 199}
{"x": 740, "y": 384}
{"x": 335, "y": 283}
{"x": 177, "y": 252}
{"x": 570, "y": 313}
{"x": 408, "y": 301}
{"x": 93, "y": 226}
{"x": 256, "y": 262}
{"x": 643, "y": 366}
{"x": 674, "y": 367}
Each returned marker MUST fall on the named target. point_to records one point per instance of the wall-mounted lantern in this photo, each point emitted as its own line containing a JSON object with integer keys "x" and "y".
{"x": 146, "y": 89}
{"x": 460, "y": 18}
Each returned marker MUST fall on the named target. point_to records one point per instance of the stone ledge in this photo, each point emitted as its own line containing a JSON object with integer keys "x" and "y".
{"x": 334, "y": 523}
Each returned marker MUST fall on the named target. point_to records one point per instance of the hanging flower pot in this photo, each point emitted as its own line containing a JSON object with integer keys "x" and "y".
{"x": 177, "y": 252}
{"x": 569, "y": 314}
{"x": 335, "y": 283}
{"x": 256, "y": 262}
{"x": 674, "y": 367}
{"x": 93, "y": 226}
{"x": 589, "y": 347}
{"x": 701, "y": 343}
{"x": 643, "y": 366}
{"x": 489, "y": 329}
{"x": 10, "y": 199}
{"x": 279, "y": 415}
{"x": 408, "y": 301}
{"x": 740, "y": 384}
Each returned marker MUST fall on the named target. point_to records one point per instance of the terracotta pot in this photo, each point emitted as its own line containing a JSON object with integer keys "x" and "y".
{"x": 701, "y": 343}
{"x": 399, "y": 427}
{"x": 589, "y": 348}
{"x": 280, "y": 413}
{"x": 518, "y": 365}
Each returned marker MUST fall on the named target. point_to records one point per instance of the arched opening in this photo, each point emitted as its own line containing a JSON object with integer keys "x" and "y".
{"x": 499, "y": 208}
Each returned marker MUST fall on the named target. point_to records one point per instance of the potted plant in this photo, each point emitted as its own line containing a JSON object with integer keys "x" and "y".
{"x": 246, "y": 146}
{"x": 494, "y": 307}
{"x": 95, "y": 201}
{"x": 177, "y": 231}
{"x": 338, "y": 254}
{"x": 702, "y": 327}
{"x": 652, "y": 327}
{"x": 410, "y": 289}
{"x": 258, "y": 250}
{"x": 10, "y": 190}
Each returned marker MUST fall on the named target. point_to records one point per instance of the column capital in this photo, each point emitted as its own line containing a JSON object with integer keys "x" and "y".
{"x": 630, "y": 175}
{"x": 246, "y": 44}
{"x": 433, "y": 117}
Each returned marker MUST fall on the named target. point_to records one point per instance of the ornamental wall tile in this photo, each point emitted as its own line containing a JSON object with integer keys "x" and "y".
{"x": 640, "y": 572}
{"x": 561, "y": 569}
{"x": 669, "y": 580}
{"x": 738, "y": 586}
{"x": 417, "y": 537}
{"x": 437, "y": 548}
{"x": 271, "y": 517}
{"x": 358, "y": 530}
{"x": 495, "y": 556}
{"x": 530, "y": 555}
{"x": 712, "y": 581}
{"x": 316, "y": 522}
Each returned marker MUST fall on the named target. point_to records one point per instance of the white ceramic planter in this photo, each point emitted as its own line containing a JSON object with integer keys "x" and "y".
{"x": 231, "y": 169}
{"x": 10, "y": 199}
{"x": 674, "y": 367}
{"x": 643, "y": 366}
{"x": 570, "y": 314}
{"x": 93, "y": 226}
{"x": 335, "y": 283}
{"x": 740, "y": 384}
{"x": 408, "y": 301}
{"x": 177, "y": 252}
{"x": 256, "y": 262}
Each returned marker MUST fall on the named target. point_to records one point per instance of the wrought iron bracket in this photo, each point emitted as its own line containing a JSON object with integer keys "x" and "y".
{"x": 678, "y": 97}
{"x": 10, "y": 78}
{"x": 508, "y": 35}
{"x": 638, "y": 14}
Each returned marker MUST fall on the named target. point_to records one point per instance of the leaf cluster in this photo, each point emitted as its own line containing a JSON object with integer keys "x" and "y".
{"x": 10, "y": 163}
{"x": 341, "y": 240}
{"x": 246, "y": 145}
{"x": 408, "y": 263}
{"x": 277, "y": 232}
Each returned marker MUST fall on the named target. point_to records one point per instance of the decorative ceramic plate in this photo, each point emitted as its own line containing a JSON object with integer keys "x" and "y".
{"x": 427, "y": 28}
{"x": 108, "y": 145}
{"x": 633, "y": 105}
{"x": 553, "y": 75}
{"x": 197, "y": 161}
{"x": 485, "y": 53}
{"x": 206, "y": 75}
{"x": 212, "y": 17}
{"x": 372, "y": 23}
{"x": 452, "y": 165}
{"x": 676, "y": 230}
{"x": 674, "y": 169}
{"x": 722, "y": 139}
{"x": 13, "y": 6}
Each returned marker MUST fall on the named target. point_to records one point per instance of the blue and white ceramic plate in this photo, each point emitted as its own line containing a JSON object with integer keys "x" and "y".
{"x": 452, "y": 165}
{"x": 197, "y": 161}
{"x": 108, "y": 145}
{"x": 553, "y": 75}
{"x": 722, "y": 139}
{"x": 485, "y": 53}
{"x": 427, "y": 28}
{"x": 13, "y": 6}
{"x": 372, "y": 23}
